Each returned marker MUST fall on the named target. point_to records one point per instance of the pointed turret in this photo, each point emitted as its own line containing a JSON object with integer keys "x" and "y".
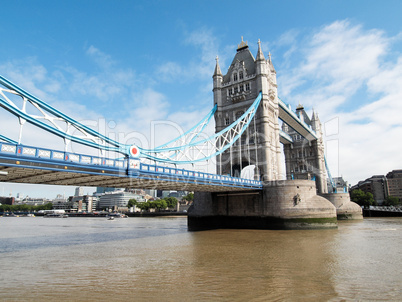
{"x": 315, "y": 123}
{"x": 261, "y": 63}
{"x": 271, "y": 66}
{"x": 217, "y": 71}
{"x": 260, "y": 55}
{"x": 217, "y": 83}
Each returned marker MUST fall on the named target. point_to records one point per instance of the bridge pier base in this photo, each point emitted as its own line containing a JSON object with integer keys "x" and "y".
{"x": 284, "y": 204}
{"x": 345, "y": 209}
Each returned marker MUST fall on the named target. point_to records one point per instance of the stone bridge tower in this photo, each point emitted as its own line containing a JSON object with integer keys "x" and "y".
{"x": 287, "y": 204}
{"x": 234, "y": 93}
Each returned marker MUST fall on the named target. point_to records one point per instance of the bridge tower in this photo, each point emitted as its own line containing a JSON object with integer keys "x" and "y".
{"x": 281, "y": 204}
{"x": 234, "y": 92}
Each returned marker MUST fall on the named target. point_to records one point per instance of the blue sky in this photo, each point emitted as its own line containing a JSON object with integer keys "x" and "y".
{"x": 131, "y": 63}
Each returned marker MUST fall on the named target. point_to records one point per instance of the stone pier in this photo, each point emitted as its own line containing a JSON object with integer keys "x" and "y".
{"x": 286, "y": 204}
{"x": 345, "y": 209}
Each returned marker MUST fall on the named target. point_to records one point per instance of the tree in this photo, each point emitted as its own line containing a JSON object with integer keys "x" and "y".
{"x": 143, "y": 205}
{"x": 132, "y": 202}
{"x": 362, "y": 198}
{"x": 391, "y": 201}
{"x": 5, "y": 208}
{"x": 163, "y": 204}
{"x": 171, "y": 201}
{"x": 189, "y": 197}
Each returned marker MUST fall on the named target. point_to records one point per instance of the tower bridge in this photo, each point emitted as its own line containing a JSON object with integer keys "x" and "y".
{"x": 246, "y": 110}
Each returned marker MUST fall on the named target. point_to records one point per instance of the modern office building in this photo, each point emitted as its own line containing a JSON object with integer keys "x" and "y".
{"x": 394, "y": 181}
{"x": 382, "y": 186}
{"x": 117, "y": 199}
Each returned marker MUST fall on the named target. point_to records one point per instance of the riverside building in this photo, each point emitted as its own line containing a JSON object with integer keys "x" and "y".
{"x": 117, "y": 199}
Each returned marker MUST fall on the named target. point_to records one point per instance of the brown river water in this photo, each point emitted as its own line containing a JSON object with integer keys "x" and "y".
{"x": 157, "y": 259}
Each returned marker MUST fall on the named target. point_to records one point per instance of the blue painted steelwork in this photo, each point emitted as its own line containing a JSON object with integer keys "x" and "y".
{"x": 114, "y": 146}
{"x": 14, "y": 155}
{"x": 194, "y": 132}
{"x": 99, "y": 141}
{"x": 170, "y": 152}
{"x": 329, "y": 175}
{"x": 229, "y": 136}
{"x": 8, "y": 140}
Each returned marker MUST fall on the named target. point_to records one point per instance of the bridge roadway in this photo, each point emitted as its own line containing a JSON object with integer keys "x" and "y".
{"x": 25, "y": 164}
{"x": 290, "y": 118}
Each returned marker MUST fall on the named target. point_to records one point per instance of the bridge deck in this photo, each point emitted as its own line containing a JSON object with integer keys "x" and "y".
{"x": 22, "y": 164}
{"x": 290, "y": 118}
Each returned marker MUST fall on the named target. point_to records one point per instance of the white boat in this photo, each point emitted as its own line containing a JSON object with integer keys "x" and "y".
{"x": 116, "y": 215}
{"x": 55, "y": 215}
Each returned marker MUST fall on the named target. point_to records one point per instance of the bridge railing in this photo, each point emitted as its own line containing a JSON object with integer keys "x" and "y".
{"x": 27, "y": 151}
{"x": 224, "y": 179}
{"x": 129, "y": 165}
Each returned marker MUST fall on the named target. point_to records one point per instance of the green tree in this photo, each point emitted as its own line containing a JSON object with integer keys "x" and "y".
{"x": 22, "y": 208}
{"x": 143, "y": 205}
{"x": 132, "y": 202}
{"x": 163, "y": 204}
{"x": 5, "y": 208}
{"x": 362, "y": 198}
{"x": 171, "y": 201}
{"x": 189, "y": 197}
{"x": 391, "y": 201}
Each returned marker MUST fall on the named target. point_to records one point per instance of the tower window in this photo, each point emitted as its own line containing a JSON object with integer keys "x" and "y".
{"x": 247, "y": 86}
{"x": 235, "y": 77}
{"x": 230, "y": 91}
{"x": 239, "y": 114}
{"x": 241, "y": 88}
{"x": 241, "y": 75}
{"x": 236, "y": 90}
{"x": 227, "y": 121}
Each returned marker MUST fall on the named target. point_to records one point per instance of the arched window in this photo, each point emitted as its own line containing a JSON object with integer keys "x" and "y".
{"x": 241, "y": 75}
{"x": 235, "y": 77}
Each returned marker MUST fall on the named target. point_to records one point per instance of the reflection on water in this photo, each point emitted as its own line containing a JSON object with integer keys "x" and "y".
{"x": 157, "y": 259}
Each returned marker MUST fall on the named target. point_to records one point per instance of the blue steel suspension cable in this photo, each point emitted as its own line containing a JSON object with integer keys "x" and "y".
{"x": 247, "y": 117}
{"x": 114, "y": 145}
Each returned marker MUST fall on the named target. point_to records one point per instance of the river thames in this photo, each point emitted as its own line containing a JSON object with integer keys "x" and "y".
{"x": 158, "y": 259}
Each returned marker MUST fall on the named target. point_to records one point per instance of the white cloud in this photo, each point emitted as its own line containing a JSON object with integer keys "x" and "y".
{"x": 170, "y": 72}
{"x": 31, "y": 76}
{"x": 338, "y": 59}
{"x": 347, "y": 72}
{"x": 102, "y": 59}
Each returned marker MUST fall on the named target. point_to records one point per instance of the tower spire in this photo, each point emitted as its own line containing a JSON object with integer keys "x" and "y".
{"x": 217, "y": 71}
{"x": 260, "y": 55}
